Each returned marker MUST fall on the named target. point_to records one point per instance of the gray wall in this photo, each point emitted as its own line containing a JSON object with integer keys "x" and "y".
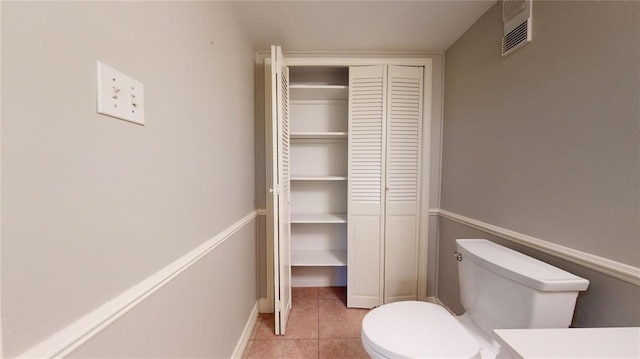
{"x": 608, "y": 302}
{"x": 435, "y": 170}
{"x": 92, "y": 205}
{"x": 546, "y": 142}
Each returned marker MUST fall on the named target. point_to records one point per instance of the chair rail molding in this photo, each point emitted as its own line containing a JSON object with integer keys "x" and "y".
{"x": 624, "y": 272}
{"x": 70, "y": 338}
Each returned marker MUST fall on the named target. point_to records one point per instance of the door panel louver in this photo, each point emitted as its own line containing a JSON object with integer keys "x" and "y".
{"x": 282, "y": 197}
{"x": 367, "y": 112}
{"x": 403, "y": 133}
{"x": 366, "y": 137}
{"x": 286, "y": 175}
{"x": 385, "y": 112}
{"x": 285, "y": 200}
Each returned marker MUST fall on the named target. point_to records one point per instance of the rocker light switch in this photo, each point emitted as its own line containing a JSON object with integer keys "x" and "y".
{"x": 119, "y": 95}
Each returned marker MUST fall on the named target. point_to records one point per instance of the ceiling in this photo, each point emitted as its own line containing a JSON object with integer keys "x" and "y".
{"x": 414, "y": 26}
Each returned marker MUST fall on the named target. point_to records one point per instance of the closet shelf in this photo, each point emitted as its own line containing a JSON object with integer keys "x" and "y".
{"x": 318, "y": 218}
{"x": 304, "y": 91}
{"x": 316, "y": 86}
{"x": 318, "y": 135}
{"x": 319, "y": 257}
{"x": 318, "y": 178}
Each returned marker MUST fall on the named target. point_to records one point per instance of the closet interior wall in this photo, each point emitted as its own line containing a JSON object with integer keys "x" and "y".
{"x": 318, "y": 149}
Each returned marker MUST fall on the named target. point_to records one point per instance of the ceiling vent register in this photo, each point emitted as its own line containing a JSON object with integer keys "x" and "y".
{"x": 516, "y": 15}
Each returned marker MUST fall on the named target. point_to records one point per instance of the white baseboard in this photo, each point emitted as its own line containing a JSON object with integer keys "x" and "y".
{"x": 625, "y": 272}
{"x": 70, "y": 338}
{"x": 246, "y": 333}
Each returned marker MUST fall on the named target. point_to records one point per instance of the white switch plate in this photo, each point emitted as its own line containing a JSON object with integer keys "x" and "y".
{"x": 119, "y": 95}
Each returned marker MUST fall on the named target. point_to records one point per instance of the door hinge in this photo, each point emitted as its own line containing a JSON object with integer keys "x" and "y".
{"x": 276, "y": 191}
{"x": 279, "y": 306}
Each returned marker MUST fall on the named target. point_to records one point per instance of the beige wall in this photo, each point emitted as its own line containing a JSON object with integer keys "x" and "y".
{"x": 546, "y": 142}
{"x": 92, "y": 205}
{"x": 201, "y": 314}
{"x": 264, "y": 250}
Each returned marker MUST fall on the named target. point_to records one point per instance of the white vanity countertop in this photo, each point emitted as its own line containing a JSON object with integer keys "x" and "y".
{"x": 569, "y": 343}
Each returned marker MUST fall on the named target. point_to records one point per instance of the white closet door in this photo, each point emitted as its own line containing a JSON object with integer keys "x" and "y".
{"x": 404, "y": 133}
{"x": 367, "y": 91}
{"x": 282, "y": 227}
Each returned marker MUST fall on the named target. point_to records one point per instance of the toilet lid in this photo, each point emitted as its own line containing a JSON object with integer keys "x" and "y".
{"x": 417, "y": 330}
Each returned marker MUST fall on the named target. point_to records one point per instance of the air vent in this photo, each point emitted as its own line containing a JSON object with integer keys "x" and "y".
{"x": 516, "y": 15}
{"x": 511, "y": 8}
{"x": 516, "y": 37}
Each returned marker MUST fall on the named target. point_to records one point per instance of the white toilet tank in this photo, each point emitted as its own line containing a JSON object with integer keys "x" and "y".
{"x": 503, "y": 289}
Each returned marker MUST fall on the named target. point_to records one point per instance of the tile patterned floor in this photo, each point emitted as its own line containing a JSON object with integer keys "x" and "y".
{"x": 320, "y": 326}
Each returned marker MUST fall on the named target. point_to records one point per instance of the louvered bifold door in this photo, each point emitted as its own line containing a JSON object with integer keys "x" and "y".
{"x": 282, "y": 238}
{"x": 367, "y": 91}
{"x": 403, "y": 159}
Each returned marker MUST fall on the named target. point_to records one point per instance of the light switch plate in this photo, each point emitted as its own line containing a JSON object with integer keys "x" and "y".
{"x": 119, "y": 95}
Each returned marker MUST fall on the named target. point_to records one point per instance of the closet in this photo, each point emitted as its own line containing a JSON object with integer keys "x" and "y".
{"x": 385, "y": 129}
{"x": 318, "y": 153}
{"x": 345, "y": 167}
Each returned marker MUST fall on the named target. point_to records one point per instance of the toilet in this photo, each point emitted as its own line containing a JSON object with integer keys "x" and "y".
{"x": 499, "y": 289}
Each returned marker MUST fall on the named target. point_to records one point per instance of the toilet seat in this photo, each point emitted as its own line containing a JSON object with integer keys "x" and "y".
{"x": 416, "y": 330}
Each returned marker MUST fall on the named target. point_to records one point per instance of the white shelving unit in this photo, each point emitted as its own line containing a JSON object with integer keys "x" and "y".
{"x": 319, "y": 175}
{"x": 311, "y": 91}
{"x": 319, "y": 178}
{"x": 318, "y": 218}
{"x": 317, "y": 258}
{"x": 319, "y": 135}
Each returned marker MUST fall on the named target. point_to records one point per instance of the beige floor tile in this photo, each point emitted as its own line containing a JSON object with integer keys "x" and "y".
{"x": 335, "y": 309}
{"x": 266, "y": 327}
{"x": 341, "y": 348}
{"x": 306, "y": 298}
{"x": 316, "y": 313}
{"x": 255, "y": 328}
{"x": 338, "y": 321}
{"x": 335, "y": 329}
{"x": 284, "y": 349}
{"x": 338, "y": 293}
{"x": 245, "y": 355}
{"x": 302, "y": 324}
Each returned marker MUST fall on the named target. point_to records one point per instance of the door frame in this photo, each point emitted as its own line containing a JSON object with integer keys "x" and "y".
{"x": 356, "y": 59}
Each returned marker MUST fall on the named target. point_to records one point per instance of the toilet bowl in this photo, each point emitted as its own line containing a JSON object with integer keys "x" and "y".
{"x": 416, "y": 330}
{"x": 499, "y": 289}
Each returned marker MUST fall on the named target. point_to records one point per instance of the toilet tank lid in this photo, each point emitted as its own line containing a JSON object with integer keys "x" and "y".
{"x": 519, "y": 267}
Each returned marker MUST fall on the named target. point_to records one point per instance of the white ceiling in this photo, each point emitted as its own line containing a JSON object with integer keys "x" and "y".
{"x": 415, "y": 26}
